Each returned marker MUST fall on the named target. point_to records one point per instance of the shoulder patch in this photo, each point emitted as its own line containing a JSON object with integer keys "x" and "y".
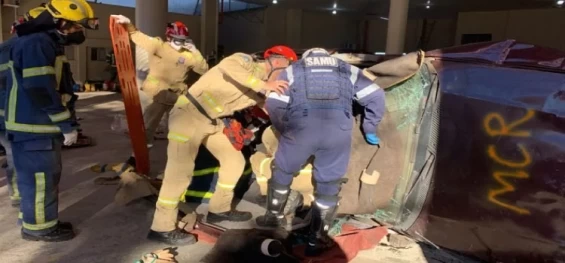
{"x": 245, "y": 58}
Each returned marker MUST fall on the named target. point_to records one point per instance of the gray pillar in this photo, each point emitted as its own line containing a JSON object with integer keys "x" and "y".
{"x": 209, "y": 28}
{"x": 151, "y": 16}
{"x": 396, "y": 33}
{"x": 151, "y": 19}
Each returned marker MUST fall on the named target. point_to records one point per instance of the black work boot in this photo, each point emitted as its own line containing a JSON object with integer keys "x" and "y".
{"x": 131, "y": 161}
{"x": 322, "y": 220}
{"x": 174, "y": 238}
{"x": 63, "y": 232}
{"x": 277, "y": 196}
{"x": 232, "y": 215}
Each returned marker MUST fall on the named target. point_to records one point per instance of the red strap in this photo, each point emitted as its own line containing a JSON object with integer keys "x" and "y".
{"x": 259, "y": 113}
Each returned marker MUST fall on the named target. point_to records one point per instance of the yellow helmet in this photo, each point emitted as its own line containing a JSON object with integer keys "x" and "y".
{"x": 33, "y": 13}
{"x": 77, "y": 11}
{"x": 29, "y": 15}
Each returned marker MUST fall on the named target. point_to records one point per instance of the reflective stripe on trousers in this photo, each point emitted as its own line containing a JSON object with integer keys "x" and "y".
{"x": 212, "y": 171}
{"x": 38, "y": 163}
{"x": 10, "y": 170}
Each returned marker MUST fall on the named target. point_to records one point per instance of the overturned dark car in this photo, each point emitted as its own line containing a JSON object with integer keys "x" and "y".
{"x": 472, "y": 157}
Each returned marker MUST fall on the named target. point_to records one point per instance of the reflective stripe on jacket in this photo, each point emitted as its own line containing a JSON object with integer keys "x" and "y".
{"x": 34, "y": 107}
{"x": 4, "y": 75}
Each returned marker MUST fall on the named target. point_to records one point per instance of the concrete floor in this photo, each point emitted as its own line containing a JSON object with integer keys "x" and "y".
{"x": 108, "y": 232}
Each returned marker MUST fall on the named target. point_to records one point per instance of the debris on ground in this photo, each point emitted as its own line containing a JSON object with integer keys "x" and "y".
{"x": 165, "y": 255}
{"x": 400, "y": 241}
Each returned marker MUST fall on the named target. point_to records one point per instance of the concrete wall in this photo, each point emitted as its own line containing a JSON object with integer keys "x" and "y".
{"x": 441, "y": 33}
{"x": 250, "y": 31}
{"x": 254, "y": 30}
{"x": 82, "y": 66}
{"x": 541, "y": 27}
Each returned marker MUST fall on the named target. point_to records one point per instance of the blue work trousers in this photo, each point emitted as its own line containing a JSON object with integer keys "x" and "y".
{"x": 39, "y": 166}
{"x": 324, "y": 134}
{"x": 10, "y": 171}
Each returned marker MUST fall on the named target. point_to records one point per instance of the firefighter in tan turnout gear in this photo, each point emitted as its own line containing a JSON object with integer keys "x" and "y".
{"x": 169, "y": 64}
{"x": 261, "y": 163}
{"x": 236, "y": 83}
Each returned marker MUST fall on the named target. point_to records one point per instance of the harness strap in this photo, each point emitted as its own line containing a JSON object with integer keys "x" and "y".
{"x": 200, "y": 109}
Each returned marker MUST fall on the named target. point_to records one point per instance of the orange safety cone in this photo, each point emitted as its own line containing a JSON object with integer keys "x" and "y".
{"x": 126, "y": 74}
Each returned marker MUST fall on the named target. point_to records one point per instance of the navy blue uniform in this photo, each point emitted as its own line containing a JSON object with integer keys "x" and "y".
{"x": 5, "y": 73}
{"x": 314, "y": 117}
{"x": 35, "y": 120}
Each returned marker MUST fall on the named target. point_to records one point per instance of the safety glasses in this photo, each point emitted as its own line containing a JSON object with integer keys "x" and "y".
{"x": 179, "y": 42}
{"x": 89, "y": 23}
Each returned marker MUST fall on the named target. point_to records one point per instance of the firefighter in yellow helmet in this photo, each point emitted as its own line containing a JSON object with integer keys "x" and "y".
{"x": 37, "y": 122}
{"x": 5, "y": 72}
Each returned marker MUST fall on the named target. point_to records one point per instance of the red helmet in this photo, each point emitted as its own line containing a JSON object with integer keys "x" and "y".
{"x": 177, "y": 30}
{"x": 284, "y": 51}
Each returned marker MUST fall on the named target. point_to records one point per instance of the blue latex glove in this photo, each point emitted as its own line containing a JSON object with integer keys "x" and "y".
{"x": 372, "y": 138}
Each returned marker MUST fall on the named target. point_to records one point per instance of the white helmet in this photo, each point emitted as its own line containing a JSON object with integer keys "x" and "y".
{"x": 316, "y": 50}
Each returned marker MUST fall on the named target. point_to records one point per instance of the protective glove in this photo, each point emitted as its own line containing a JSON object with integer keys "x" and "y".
{"x": 189, "y": 46}
{"x": 70, "y": 138}
{"x": 372, "y": 139}
{"x": 120, "y": 19}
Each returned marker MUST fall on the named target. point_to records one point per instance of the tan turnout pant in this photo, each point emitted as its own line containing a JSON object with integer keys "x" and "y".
{"x": 188, "y": 129}
{"x": 261, "y": 165}
{"x": 162, "y": 103}
{"x": 152, "y": 118}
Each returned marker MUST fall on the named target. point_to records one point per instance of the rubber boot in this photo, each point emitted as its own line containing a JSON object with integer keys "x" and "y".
{"x": 63, "y": 232}
{"x": 295, "y": 217}
{"x": 322, "y": 220}
{"x": 277, "y": 196}
{"x": 174, "y": 238}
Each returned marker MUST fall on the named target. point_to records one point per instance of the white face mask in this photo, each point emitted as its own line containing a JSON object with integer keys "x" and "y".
{"x": 175, "y": 46}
